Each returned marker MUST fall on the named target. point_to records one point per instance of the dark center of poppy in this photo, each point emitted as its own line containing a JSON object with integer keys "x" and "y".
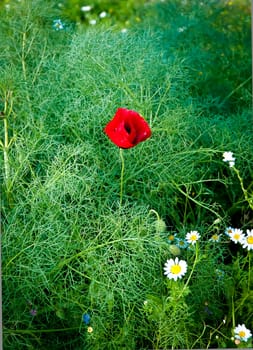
{"x": 127, "y": 128}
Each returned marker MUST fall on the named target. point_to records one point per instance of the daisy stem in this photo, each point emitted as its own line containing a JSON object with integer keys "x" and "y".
{"x": 246, "y": 196}
{"x": 193, "y": 267}
{"x": 249, "y": 272}
{"x": 122, "y": 175}
{"x": 233, "y": 312}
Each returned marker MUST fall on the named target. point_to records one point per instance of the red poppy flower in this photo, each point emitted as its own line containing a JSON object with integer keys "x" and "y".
{"x": 127, "y": 128}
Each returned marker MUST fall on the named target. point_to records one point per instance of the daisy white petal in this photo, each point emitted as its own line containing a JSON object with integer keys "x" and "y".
{"x": 86, "y": 8}
{"x": 192, "y": 237}
{"x": 92, "y": 22}
{"x": 175, "y": 269}
{"x": 229, "y": 230}
{"x": 103, "y": 14}
{"x": 247, "y": 242}
{"x": 228, "y": 157}
{"x": 237, "y": 235}
{"x": 242, "y": 333}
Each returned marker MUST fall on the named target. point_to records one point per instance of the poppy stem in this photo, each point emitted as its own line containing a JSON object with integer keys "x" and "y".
{"x": 122, "y": 175}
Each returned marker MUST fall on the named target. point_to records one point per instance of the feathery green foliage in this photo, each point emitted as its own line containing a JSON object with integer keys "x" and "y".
{"x": 68, "y": 247}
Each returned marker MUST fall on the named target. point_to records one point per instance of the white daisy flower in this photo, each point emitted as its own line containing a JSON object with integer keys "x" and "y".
{"x": 181, "y": 29}
{"x": 175, "y": 269}
{"x": 215, "y": 238}
{"x": 86, "y": 8}
{"x": 192, "y": 237}
{"x": 237, "y": 235}
{"x": 103, "y": 14}
{"x": 248, "y": 240}
{"x": 229, "y": 231}
{"x": 229, "y": 158}
{"x": 92, "y": 22}
{"x": 242, "y": 333}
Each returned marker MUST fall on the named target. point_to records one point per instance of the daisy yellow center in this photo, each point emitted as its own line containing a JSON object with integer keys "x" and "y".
{"x": 175, "y": 269}
{"x": 194, "y": 238}
{"x": 215, "y": 237}
{"x": 250, "y": 239}
{"x": 237, "y": 236}
{"x": 171, "y": 238}
{"x": 242, "y": 334}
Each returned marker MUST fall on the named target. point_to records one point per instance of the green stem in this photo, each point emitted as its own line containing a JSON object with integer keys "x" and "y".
{"x": 31, "y": 331}
{"x": 155, "y": 212}
{"x": 249, "y": 271}
{"x": 5, "y": 151}
{"x": 23, "y": 56}
{"x": 233, "y": 311}
{"x": 247, "y": 295}
{"x": 122, "y": 175}
{"x": 194, "y": 200}
{"x": 236, "y": 89}
{"x": 193, "y": 268}
{"x": 6, "y": 144}
{"x": 246, "y": 196}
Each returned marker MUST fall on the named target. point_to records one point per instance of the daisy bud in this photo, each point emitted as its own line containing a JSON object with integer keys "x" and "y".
{"x": 175, "y": 250}
{"x": 160, "y": 226}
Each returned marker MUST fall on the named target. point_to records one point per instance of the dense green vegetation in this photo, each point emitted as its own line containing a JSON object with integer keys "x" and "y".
{"x": 69, "y": 246}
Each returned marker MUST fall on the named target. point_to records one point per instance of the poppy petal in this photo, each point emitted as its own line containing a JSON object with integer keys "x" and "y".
{"x": 127, "y": 128}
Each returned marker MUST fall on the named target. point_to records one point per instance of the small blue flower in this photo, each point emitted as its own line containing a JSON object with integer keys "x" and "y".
{"x": 219, "y": 273}
{"x": 207, "y": 310}
{"x": 86, "y": 318}
{"x": 33, "y": 312}
{"x": 181, "y": 243}
{"x": 58, "y": 25}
